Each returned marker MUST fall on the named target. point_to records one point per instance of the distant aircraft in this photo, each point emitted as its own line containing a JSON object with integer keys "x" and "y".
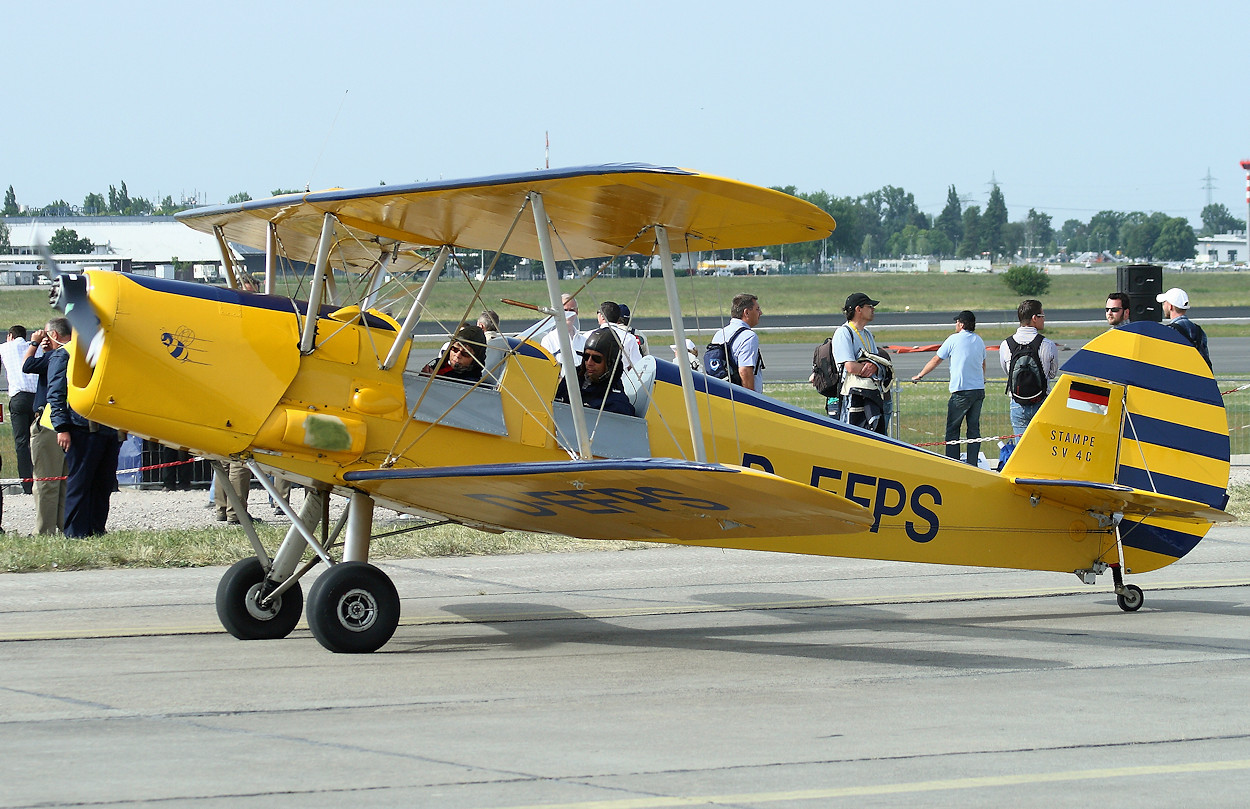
{"x": 1124, "y": 469}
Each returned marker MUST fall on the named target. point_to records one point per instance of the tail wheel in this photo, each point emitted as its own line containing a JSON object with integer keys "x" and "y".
{"x": 1131, "y": 599}
{"x": 353, "y": 607}
{"x": 239, "y": 607}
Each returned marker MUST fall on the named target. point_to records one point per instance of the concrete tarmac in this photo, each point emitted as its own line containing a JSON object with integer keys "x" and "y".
{"x": 662, "y": 677}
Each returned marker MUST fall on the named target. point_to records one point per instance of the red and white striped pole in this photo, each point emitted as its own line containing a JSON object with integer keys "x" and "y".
{"x": 1245, "y": 164}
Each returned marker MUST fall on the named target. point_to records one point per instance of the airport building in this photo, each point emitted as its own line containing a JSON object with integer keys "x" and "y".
{"x": 156, "y": 246}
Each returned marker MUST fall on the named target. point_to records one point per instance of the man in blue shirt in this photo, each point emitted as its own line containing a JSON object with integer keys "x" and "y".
{"x": 966, "y": 351}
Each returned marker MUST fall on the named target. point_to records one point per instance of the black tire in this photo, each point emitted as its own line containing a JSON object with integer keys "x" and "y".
{"x": 239, "y": 610}
{"x": 352, "y": 608}
{"x": 1131, "y": 599}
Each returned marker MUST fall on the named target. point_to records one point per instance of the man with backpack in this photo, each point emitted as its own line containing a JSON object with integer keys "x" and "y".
{"x": 866, "y": 373}
{"x": 734, "y": 352}
{"x": 1175, "y": 304}
{"x": 1030, "y": 361}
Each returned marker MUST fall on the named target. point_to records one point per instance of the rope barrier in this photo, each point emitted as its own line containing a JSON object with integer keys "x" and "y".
{"x": 15, "y": 481}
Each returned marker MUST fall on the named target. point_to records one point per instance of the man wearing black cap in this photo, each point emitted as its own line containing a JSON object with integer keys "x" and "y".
{"x": 865, "y": 383}
{"x": 966, "y": 351}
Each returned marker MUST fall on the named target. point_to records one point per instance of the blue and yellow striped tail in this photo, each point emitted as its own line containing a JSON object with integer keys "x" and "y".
{"x": 1140, "y": 410}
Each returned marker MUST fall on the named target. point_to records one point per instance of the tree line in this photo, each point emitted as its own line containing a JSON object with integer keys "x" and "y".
{"x": 885, "y": 223}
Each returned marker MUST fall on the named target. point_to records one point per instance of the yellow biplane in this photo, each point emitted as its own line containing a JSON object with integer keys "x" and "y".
{"x": 1125, "y": 468}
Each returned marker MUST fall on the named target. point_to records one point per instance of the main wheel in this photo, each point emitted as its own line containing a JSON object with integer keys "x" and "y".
{"x": 353, "y": 607}
{"x": 239, "y": 608}
{"x": 1131, "y": 599}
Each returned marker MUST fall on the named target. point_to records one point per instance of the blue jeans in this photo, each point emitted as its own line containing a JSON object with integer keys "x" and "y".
{"x": 1021, "y": 415}
{"x": 964, "y": 404}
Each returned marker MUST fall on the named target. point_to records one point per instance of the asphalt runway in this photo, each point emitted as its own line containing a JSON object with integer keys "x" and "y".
{"x": 655, "y": 678}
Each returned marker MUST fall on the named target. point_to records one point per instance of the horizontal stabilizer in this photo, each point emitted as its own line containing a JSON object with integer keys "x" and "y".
{"x": 643, "y": 499}
{"x": 1106, "y": 498}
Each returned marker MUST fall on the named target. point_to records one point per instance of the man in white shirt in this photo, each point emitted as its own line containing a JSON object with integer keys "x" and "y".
{"x": 551, "y": 340}
{"x": 21, "y": 400}
{"x": 609, "y": 314}
{"x": 1032, "y": 324}
{"x": 745, "y": 313}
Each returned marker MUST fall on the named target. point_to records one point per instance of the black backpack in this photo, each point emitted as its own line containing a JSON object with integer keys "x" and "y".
{"x": 826, "y": 375}
{"x": 718, "y": 360}
{"x": 1026, "y": 379}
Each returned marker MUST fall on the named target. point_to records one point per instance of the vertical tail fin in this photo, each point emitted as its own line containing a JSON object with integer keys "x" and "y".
{"x": 1136, "y": 407}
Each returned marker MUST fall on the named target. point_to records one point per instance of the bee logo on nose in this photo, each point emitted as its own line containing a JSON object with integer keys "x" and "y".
{"x": 179, "y": 344}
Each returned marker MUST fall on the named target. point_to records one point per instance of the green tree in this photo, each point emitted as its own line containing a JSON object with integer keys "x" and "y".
{"x": 992, "y": 223}
{"x": 1176, "y": 241}
{"x": 119, "y": 201}
{"x": 10, "y": 203}
{"x": 58, "y": 208}
{"x": 5, "y": 247}
{"x": 1038, "y": 233}
{"x": 1216, "y": 218}
{"x": 970, "y": 245}
{"x": 1026, "y": 280}
{"x": 94, "y": 205}
{"x": 66, "y": 242}
{"x": 950, "y": 220}
{"x": 277, "y": 192}
{"x": 242, "y": 196}
{"x": 1013, "y": 238}
{"x": 1072, "y": 236}
{"x": 1104, "y": 231}
{"x": 940, "y": 244}
{"x": 1138, "y": 233}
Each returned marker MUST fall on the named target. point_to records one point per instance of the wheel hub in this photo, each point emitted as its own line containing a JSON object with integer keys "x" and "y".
{"x": 254, "y": 608}
{"x": 358, "y": 610}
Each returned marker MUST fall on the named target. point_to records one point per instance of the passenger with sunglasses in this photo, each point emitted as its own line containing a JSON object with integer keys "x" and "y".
{"x": 599, "y": 375}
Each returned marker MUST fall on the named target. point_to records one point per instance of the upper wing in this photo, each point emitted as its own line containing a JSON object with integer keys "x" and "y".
{"x": 621, "y": 499}
{"x": 597, "y": 211}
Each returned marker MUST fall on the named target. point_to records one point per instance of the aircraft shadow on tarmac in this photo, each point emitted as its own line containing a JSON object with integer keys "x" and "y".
{"x": 527, "y": 626}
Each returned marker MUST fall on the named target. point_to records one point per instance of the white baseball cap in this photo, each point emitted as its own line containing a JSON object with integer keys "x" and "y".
{"x": 689, "y": 347}
{"x": 1175, "y": 296}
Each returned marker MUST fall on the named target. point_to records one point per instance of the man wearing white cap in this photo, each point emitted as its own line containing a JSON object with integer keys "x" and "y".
{"x": 1175, "y": 303}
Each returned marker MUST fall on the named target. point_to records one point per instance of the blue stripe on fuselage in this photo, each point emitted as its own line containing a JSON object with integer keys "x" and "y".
{"x": 668, "y": 373}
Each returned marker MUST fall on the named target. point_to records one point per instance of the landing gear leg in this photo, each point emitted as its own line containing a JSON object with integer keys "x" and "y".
{"x": 1129, "y": 597}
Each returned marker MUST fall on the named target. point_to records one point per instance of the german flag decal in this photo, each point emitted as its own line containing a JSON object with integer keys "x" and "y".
{"x": 1087, "y": 397}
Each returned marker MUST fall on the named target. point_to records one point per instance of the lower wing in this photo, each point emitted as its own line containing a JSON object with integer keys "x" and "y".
{"x": 643, "y": 499}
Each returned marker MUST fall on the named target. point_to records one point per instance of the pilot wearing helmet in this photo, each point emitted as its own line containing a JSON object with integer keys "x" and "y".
{"x": 465, "y": 358}
{"x": 599, "y": 375}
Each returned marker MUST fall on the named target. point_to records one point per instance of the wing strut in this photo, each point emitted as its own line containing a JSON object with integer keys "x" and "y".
{"x": 317, "y": 291}
{"x": 679, "y": 334}
{"x": 414, "y": 312}
{"x": 567, "y": 358}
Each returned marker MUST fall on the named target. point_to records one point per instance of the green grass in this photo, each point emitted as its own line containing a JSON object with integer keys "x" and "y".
{"x": 709, "y": 297}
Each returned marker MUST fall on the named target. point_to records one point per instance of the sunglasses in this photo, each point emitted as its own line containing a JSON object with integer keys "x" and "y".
{"x": 593, "y": 357}
{"x": 1115, "y": 308}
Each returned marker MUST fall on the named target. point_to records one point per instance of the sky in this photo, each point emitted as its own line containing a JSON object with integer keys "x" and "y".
{"x": 1071, "y": 107}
